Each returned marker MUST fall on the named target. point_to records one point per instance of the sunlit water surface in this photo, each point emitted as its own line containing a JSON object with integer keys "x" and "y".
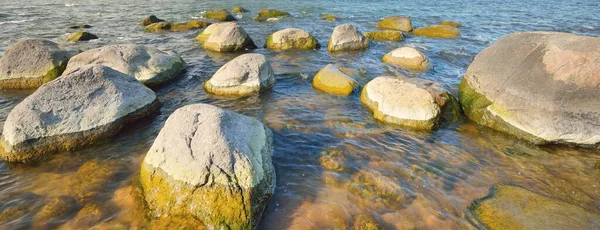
{"x": 438, "y": 174}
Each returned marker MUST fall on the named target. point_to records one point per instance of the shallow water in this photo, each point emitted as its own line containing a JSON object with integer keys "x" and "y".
{"x": 438, "y": 173}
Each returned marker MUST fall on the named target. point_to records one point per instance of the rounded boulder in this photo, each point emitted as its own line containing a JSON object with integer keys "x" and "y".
{"x": 335, "y": 80}
{"x": 437, "y": 31}
{"x": 244, "y": 75}
{"x": 400, "y": 23}
{"x": 229, "y": 38}
{"x": 291, "y": 38}
{"x": 347, "y": 38}
{"x": 407, "y": 58}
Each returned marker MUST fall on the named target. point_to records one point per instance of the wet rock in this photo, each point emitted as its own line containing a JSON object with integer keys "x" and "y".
{"x": 347, "y": 38}
{"x": 14, "y": 210}
{"x": 150, "y": 19}
{"x": 437, "y": 31}
{"x": 148, "y": 65}
{"x": 230, "y": 38}
{"x": 411, "y": 102}
{"x": 211, "y": 29}
{"x": 31, "y": 63}
{"x": 365, "y": 222}
{"x": 211, "y": 165}
{"x": 91, "y": 179}
{"x": 81, "y": 36}
{"x": 266, "y": 14}
{"x": 54, "y": 213}
{"x": 396, "y": 23}
{"x": 80, "y": 26}
{"x": 165, "y": 27}
{"x": 333, "y": 159}
{"x": 72, "y": 111}
{"x": 385, "y": 35}
{"x": 407, "y": 58}
{"x": 379, "y": 191}
{"x": 539, "y": 86}
{"x": 510, "y": 207}
{"x": 291, "y": 38}
{"x": 87, "y": 217}
{"x": 219, "y": 15}
{"x": 335, "y": 80}
{"x": 239, "y": 9}
{"x": 247, "y": 74}
{"x": 329, "y": 17}
{"x": 451, "y": 23}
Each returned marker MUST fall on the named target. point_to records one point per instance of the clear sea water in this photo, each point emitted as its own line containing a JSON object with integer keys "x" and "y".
{"x": 442, "y": 171}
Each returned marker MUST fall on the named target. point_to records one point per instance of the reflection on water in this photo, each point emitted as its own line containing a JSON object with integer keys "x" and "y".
{"x": 336, "y": 166}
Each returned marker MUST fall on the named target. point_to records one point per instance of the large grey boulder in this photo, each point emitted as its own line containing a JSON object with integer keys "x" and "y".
{"x": 211, "y": 165}
{"x": 244, "y": 75}
{"x": 74, "y": 110}
{"x": 230, "y": 37}
{"x": 147, "y": 64}
{"x": 31, "y": 63}
{"x": 347, "y": 38}
{"x": 543, "y": 87}
{"x": 212, "y": 29}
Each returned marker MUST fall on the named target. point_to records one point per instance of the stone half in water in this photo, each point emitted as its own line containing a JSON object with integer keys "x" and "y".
{"x": 331, "y": 79}
{"x": 245, "y": 75}
{"x": 437, "y": 31}
{"x": 81, "y": 36}
{"x": 291, "y": 39}
{"x": 230, "y": 37}
{"x": 265, "y": 14}
{"x": 347, "y": 38}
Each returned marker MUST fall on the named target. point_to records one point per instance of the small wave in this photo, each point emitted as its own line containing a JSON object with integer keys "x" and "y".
{"x": 14, "y": 22}
{"x": 70, "y": 4}
{"x": 272, "y": 19}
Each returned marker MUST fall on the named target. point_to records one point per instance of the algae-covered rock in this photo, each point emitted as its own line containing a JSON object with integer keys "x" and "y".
{"x": 239, "y": 9}
{"x": 385, "y": 35}
{"x": 266, "y": 14}
{"x": 291, "y": 38}
{"x": 451, "y": 23}
{"x": 400, "y": 23}
{"x": 81, "y": 36}
{"x": 210, "y": 165}
{"x": 335, "y": 80}
{"x": 411, "y": 102}
{"x": 31, "y": 63}
{"x": 539, "y": 86}
{"x": 376, "y": 190}
{"x": 329, "y": 17}
{"x": 229, "y": 38}
{"x": 437, "y": 31}
{"x": 320, "y": 215}
{"x": 510, "y": 207}
{"x": 80, "y": 26}
{"x": 87, "y": 217}
{"x": 365, "y": 222}
{"x": 211, "y": 29}
{"x": 219, "y": 15}
{"x": 247, "y": 74}
{"x": 91, "y": 179}
{"x": 75, "y": 110}
{"x": 148, "y": 65}
{"x": 55, "y": 212}
{"x": 150, "y": 19}
{"x": 165, "y": 27}
{"x": 347, "y": 38}
{"x": 407, "y": 58}
{"x": 333, "y": 159}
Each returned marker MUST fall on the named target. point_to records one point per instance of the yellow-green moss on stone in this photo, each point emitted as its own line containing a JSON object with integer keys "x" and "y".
{"x": 331, "y": 79}
{"x": 451, "y": 23}
{"x": 164, "y": 27}
{"x": 239, "y": 9}
{"x": 437, "y": 31}
{"x": 150, "y": 19}
{"x": 365, "y": 222}
{"x": 333, "y": 159}
{"x": 329, "y": 17}
{"x": 81, "y": 36}
{"x": 396, "y": 23}
{"x": 265, "y": 14}
{"x": 219, "y": 15}
{"x": 291, "y": 38}
{"x": 385, "y": 35}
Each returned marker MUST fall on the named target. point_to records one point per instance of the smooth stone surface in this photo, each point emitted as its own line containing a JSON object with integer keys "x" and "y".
{"x": 267, "y": 14}
{"x": 246, "y": 74}
{"x": 400, "y": 23}
{"x": 539, "y": 86}
{"x": 510, "y": 207}
{"x": 211, "y": 165}
{"x": 331, "y": 79}
{"x": 385, "y": 35}
{"x": 165, "y": 27}
{"x": 150, "y": 19}
{"x": 407, "y": 58}
{"x": 347, "y": 38}
{"x": 147, "y": 64}
{"x": 81, "y": 36}
{"x": 219, "y": 15}
{"x": 229, "y": 38}
{"x": 31, "y": 63}
{"x": 437, "y": 31}
{"x": 291, "y": 38}
{"x": 72, "y": 111}
{"x": 211, "y": 29}
{"x": 451, "y": 23}
{"x": 410, "y": 102}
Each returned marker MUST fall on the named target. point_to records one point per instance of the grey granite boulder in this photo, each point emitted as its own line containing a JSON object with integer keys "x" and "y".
{"x": 231, "y": 37}
{"x": 244, "y": 75}
{"x": 347, "y": 38}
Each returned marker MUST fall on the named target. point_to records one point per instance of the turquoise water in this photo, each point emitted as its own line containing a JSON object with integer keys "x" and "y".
{"x": 441, "y": 171}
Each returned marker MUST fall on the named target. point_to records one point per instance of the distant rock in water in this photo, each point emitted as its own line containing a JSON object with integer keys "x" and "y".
{"x": 239, "y": 9}
{"x": 31, "y": 63}
{"x": 539, "y": 86}
{"x": 385, "y": 35}
{"x": 211, "y": 165}
{"x": 335, "y": 80}
{"x": 165, "y": 27}
{"x": 511, "y": 207}
{"x": 150, "y": 19}
{"x": 265, "y": 14}
{"x": 81, "y": 26}
{"x": 81, "y": 36}
{"x": 437, "y": 31}
{"x": 451, "y": 23}
{"x": 410, "y": 102}
{"x": 400, "y": 23}
{"x": 77, "y": 109}
{"x": 329, "y": 17}
{"x": 211, "y": 29}
{"x": 244, "y": 75}
{"x": 219, "y": 15}
{"x": 291, "y": 38}
{"x": 229, "y": 38}
{"x": 407, "y": 58}
{"x": 147, "y": 64}
{"x": 347, "y": 38}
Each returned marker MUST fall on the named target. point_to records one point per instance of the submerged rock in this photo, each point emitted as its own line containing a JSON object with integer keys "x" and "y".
{"x": 329, "y": 17}
{"x": 239, "y": 9}
{"x": 396, "y": 23}
{"x": 219, "y": 15}
{"x": 87, "y": 217}
{"x": 55, "y": 212}
{"x": 411, "y": 102}
{"x": 31, "y": 63}
{"x": 365, "y": 222}
{"x": 385, "y": 35}
{"x": 77, "y": 109}
{"x": 539, "y": 86}
{"x": 229, "y": 38}
{"x": 17, "y": 208}
{"x": 244, "y": 75}
{"x": 211, "y": 165}
{"x": 510, "y": 207}
{"x": 211, "y": 29}
{"x": 379, "y": 191}
{"x": 320, "y": 215}
{"x": 81, "y": 36}
{"x": 333, "y": 159}
{"x": 266, "y": 14}
{"x": 437, "y": 31}
{"x": 150, "y": 19}
{"x": 451, "y": 23}
{"x": 147, "y": 64}
{"x": 91, "y": 179}
{"x": 80, "y": 26}
{"x": 335, "y": 80}
{"x": 347, "y": 38}
{"x": 407, "y": 58}
{"x": 165, "y": 27}
{"x": 291, "y": 38}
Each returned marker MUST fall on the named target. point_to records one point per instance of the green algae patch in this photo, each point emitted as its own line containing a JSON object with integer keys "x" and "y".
{"x": 165, "y": 27}
{"x": 219, "y": 15}
{"x": 239, "y": 9}
{"x": 333, "y": 159}
{"x": 81, "y": 36}
{"x": 265, "y": 14}
{"x": 385, "y": 35}
{"x": 54, "y": 70}
{"x": 365, "y": 222}
{"x": 437, "y": 31}
{"x": 451, "y": 23}
{"x": 329, "y": 17}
